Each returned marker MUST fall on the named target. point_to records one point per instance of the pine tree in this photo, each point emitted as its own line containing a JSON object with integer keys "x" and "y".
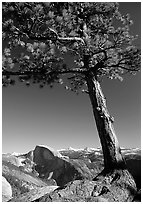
{"x": 97, "y": 38}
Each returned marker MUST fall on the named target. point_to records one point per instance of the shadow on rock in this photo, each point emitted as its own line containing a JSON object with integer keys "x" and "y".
{"x": 51, "y": 164}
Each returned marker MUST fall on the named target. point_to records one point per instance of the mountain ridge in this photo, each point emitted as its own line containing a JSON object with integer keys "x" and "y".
{"x": 76, "y": 149}
{"x": 44, "y": 166}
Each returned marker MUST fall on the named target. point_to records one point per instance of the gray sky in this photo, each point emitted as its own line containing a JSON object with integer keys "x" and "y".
{"x": 60, "y": 119}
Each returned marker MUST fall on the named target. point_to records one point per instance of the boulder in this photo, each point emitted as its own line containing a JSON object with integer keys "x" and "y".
{"x": 51, "y": 164}
{"x": 34, "y": 194}
{"x": 6, "y": 190}
{"x": 116, "y": 186}
{"x": 20, "y": 180}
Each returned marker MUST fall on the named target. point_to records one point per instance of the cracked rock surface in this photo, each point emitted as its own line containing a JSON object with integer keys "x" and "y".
{"x": 117, "y": 186}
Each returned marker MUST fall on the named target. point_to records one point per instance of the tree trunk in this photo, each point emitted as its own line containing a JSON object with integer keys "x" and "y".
{"x": 111, "y": 150}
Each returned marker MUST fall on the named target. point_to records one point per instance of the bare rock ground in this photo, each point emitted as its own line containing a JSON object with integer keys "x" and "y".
{"x": 6, "y": 190}
{"x": 117, "y": 186}
{"x": 34, "y": 194}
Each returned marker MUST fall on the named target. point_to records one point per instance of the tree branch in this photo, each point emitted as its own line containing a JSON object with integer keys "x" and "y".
{"x": 66, "y": 39}
{"x": 55, "y": 36}
{"x": 128, "y": 69}
{"x": 42, "y": 72}
{"x": 122, "y": 67}
{"x": 103, "y": 50}
{"x": 70, "y": 39}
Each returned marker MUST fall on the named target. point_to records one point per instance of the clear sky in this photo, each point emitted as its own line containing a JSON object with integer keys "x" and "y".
{"x": 60, "y": 119}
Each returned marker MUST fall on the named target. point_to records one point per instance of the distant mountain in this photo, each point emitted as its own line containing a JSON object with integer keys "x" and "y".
{"x": 45, "y": 166}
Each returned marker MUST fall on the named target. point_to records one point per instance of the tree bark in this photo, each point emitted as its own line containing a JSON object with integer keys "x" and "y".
{"x": 113, "y": 158}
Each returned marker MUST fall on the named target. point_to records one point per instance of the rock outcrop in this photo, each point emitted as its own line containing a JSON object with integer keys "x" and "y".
{"x": 51, "y": 164}
{"x": 34, "y": 194}
{"x": 6, "y": 190}
{"x": 117, "y": 186}
{"x": 20, "y": 180}
{"x": 42, "y": 154}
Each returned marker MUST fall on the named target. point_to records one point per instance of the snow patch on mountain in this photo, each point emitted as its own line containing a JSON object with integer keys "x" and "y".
{"x": 16, "y": 154}
{"x": 88, "y": 149}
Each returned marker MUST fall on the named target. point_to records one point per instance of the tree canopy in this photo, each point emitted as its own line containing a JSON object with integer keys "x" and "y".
{"x": 38, "y": 39}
